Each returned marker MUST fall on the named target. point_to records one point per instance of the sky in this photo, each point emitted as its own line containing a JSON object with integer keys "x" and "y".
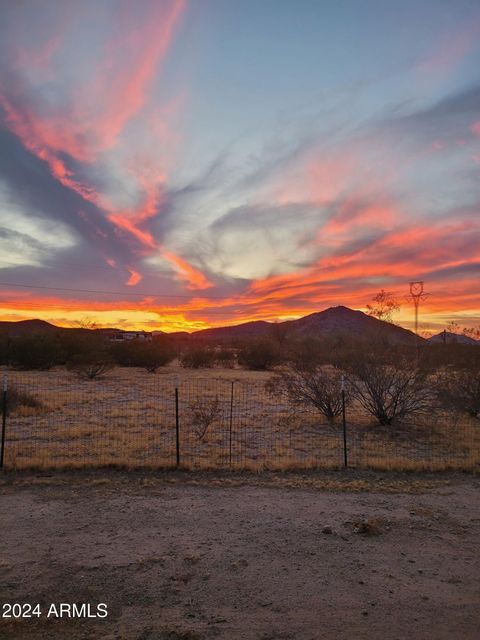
{"x": 178, "y": 164}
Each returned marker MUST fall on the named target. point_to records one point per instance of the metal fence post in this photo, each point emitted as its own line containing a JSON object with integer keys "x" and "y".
{"x": 177, "y": 427}
{"x": 230, "y": 426}
{"x": 4, "y": 418}
{"x": 344, "y": 424}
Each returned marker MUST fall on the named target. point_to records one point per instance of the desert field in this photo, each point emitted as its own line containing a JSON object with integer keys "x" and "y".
{"x": 225, "y": 419}
{"x": 273, "y": 556}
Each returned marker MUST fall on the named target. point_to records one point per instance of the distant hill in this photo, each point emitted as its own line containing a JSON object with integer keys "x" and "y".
{"x": 255, "y": 329}
{"x": 344, "y": 321}
{"x": 25, "y": 327}
{"x": 29, "y": 327}
{"x": 447, "y": 337}
{"x": 333, "y": 321}
{"x": 338, "y": 321}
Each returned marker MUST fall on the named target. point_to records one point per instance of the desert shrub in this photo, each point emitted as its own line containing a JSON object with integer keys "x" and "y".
{"x": 390, "y": 391}
{"x": 198, "y": 358}
{"x": 17, "y": 398}
{"x": 225, "y": 358}
{"x": 320, "y": 388}
{"x": 336, "y": 350}
{"x": 307, "y": 354}
{"x": 458, "y": 356}
{"x": 38, "y": 351}
{"x": 148, "y": 355}
{"x": 260, "y": 355}
{"x": 280, "y": 332}
{"x": 459, "y": 389}
{"x": 122, "y": 353}
{"x": 4, "y": 349}
{"x": 203, "y": 413}
{"x": 152, "y": 356}
{"x": 91, "y": 363}
{"x": 70, "y": 344}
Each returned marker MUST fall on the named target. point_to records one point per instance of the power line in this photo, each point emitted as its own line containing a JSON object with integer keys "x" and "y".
{"x": 116, "y": 293}
{"x": 203, "y": 310}
{"x": 55, "y": 264}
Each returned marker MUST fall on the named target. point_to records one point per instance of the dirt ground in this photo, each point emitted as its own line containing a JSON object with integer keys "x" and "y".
{"x": 243, "y": 557}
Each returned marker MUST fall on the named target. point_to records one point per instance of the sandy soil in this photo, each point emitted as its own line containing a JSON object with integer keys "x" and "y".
{"x": 238, "y": 557}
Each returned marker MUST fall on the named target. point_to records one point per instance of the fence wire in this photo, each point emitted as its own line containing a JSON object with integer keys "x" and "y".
{"x": 133, "y": 419}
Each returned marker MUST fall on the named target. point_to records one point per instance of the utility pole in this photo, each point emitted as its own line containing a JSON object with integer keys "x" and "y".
{"x": 417, "y": 294}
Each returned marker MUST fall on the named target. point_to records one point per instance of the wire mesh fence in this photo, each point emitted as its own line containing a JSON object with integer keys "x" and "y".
{"x": 136, "y": 419}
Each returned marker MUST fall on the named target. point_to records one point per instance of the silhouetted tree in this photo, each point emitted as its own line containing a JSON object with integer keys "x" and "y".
{"x": 384, "y": 306}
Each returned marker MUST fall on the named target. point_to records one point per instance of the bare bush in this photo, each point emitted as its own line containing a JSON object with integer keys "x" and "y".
{"x": 203, "y": 413}
{"x": 390, "y": 392}
{"x": 318, "y": 387}
{"x": 459, "y": 389}
{"x": 90, "y": 365}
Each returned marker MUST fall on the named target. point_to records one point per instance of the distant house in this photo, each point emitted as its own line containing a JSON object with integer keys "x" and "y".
{"x": 127, "y": 336}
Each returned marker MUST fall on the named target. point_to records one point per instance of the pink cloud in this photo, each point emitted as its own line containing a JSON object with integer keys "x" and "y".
{"x": 123, "y": 84}
{"x": 98, "y": 114}
{"x": 451, "y": 50}
{"x": 134, "y": 278}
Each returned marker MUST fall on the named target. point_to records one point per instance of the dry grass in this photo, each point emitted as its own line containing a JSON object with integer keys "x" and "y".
{"x": 128, "y": 420}
{"x": 114, "y": 480}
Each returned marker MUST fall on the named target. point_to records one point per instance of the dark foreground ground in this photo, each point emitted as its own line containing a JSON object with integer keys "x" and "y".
{"x": 237, "y": 557}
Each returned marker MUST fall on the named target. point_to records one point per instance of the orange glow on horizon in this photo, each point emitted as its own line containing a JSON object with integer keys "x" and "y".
{"x": 200, "y": 313}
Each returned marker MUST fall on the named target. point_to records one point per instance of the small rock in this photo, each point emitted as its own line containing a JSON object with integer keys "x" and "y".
{"x": 327, "y": 530}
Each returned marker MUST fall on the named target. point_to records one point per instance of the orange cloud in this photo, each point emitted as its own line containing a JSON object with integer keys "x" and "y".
{"x": 193, "y": 277}
{"x": 144, "y": 237}
{"x": 352, "y": 214}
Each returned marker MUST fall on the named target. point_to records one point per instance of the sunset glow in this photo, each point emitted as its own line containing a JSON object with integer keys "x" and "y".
{"x": 174, "y": 165}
